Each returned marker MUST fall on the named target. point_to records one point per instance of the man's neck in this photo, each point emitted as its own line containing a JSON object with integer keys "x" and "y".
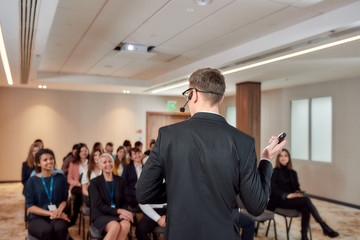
{"x": 214, "y": 109}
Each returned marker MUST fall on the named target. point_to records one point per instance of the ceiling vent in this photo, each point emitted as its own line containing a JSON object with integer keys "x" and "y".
{"x": 28, "y": 16}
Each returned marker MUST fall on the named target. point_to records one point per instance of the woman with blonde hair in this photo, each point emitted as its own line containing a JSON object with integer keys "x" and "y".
{"x": 107, "y": 199}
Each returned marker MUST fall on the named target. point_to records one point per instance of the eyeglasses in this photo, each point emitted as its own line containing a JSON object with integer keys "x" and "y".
{"x": 187, "y": 92}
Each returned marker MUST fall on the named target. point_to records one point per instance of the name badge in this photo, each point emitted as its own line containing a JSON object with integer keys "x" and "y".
{"x": 52, "y": 207}
{"x": 113, "y": 205}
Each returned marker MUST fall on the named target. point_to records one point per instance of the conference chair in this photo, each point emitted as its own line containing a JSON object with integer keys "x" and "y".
{"x": 157, "y": 231}
{"x": 94, "y": 233}
{"x": 84, "y": 212}
{"x": 289, "y": 213}
{"x": 265, "y": 216}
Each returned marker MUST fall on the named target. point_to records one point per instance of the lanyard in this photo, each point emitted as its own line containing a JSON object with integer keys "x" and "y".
{"x": 112, "y": 189}
{"x": 51, "y": 187}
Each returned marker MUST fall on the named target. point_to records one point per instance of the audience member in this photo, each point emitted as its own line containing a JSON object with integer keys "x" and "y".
{"x": 107, "y": 199}
{"x": 127, "y": 145}
{"x": 98, "y": 145}
{"x": 29, "y": 164}
{"x": 154, "y": 215}
{"x": 46, "y": 195}
{"x": 68, "y": 159}
{"x": 151, "y": 145}
{"x": 109, "y": 148}
{"x": 120, "y": 161}
{"x": 139, "y": 145}
{"x": 131, "y": 174}
{"x": 92, "y": 172}
{"x": 40, "y": 143}
{"x": 78, "y": 168}
{"x": 285, "y": 193}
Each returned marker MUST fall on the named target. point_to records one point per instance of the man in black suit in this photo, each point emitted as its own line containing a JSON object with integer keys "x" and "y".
{"x": 205, "y": 163}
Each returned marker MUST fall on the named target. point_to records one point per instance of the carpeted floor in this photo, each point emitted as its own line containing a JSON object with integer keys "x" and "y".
{"x": 343, "y": 219}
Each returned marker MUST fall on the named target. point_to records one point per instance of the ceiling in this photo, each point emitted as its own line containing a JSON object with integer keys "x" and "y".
{"x": 74, "y": 40}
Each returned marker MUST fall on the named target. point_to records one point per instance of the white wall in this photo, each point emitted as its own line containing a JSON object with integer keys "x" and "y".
{"x": 62, "y": 118}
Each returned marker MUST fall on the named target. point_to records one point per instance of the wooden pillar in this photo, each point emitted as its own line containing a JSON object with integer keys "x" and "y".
{"x": 248, "y": 97}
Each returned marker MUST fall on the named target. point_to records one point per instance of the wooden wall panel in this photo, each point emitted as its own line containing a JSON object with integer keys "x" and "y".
{"x": 248, "y": 98}
{"x": 156, "y": 120}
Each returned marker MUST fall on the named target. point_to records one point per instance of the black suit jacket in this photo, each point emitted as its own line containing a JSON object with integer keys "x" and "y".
{"x": 206, "y": 163}
{"x": 130, "y": 177}
{"x": 100, "y": 202}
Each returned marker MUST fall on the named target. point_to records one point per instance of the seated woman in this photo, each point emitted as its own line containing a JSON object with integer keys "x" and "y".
{"x": 107, "y": 202}
{"x": 285, "y": 193}
{"x": 78, "y": 168}
{"x": 93, "y": 171}
{"x": 46, "y": 194}
{"x": 120, "y": 160}
{"x": 131, "y": 174}
{"x": 29, "y": 164}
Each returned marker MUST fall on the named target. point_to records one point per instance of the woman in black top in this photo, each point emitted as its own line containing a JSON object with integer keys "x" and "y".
{"x": 285, "y": 193}
{"x": 46, "y": 194}
{"x": 107, "y": 202}
{"x": 29, "y": 164}
{"x": 131, "y": 174}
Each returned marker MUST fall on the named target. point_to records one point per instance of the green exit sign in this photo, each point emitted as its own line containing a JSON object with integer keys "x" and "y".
{"x": 171, "y": 106}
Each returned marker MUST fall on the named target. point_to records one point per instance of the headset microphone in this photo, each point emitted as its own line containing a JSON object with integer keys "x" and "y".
{"x": 182, "y": 109}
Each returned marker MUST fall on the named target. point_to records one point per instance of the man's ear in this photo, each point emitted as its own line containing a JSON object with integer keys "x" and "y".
{"x": 222, "y": 98}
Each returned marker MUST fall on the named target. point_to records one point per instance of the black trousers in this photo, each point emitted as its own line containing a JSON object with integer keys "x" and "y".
{"x": 305, "y": 206}
{"x": 77, "y": 193}
{"x": 146, "y": 225}
{"x": 46, "y": 229}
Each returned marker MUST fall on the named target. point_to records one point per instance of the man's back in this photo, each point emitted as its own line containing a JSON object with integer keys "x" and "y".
{"x": 206, "y": 163}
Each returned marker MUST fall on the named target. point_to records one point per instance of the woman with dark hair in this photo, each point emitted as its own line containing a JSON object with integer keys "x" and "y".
{"x": 285, "y": 193}
{"x": 29, "y": 164}
{"x": 98, "y": 145}
{"x": 93, "y": 171}
{"x": 107, "y": 194}
{"x": 131, "y": 174}
{"x": 46, "y": 194}
{"x": 120, "y": 160}
{"x": 78, "y": 168}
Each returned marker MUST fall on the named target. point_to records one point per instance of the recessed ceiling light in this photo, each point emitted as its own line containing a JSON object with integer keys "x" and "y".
{"x": 40, "y": 86}
{"x": 126, "y": 91}
{"x": 203, "y": 2}
{"x": 44, "y": 86}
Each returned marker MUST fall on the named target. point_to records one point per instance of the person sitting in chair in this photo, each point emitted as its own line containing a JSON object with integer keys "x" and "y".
{"x": 107, "y": 202}
{"x": 46, "y": 194}
{"x": 285, "y": 193}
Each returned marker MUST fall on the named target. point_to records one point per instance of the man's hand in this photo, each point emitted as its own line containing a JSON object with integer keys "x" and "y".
{"x": 273, "y": 149}
{"x": 162, "y": 221}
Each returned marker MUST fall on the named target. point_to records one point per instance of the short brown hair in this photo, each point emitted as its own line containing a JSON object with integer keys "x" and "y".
{"x": 209, "y": 79}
